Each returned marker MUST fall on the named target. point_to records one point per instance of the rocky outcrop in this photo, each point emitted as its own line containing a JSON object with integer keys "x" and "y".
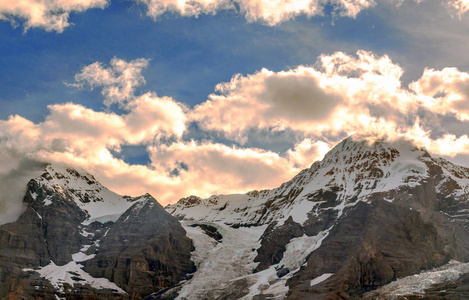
{"x": 273, "y": 243}
{"x": 145, "y": 251}
{"x": 210, "y": 230}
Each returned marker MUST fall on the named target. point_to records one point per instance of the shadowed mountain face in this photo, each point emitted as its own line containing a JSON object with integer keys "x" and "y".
{"x": 131, "y": 246}
{"x": 145, "y": 250}
{"x": 369, "y": 220}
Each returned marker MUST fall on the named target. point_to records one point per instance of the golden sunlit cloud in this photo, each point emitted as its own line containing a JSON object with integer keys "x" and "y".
{"x": 269, "y": 12}
{"x": 273, "y": 12}
{"x": 335, "y": 96}
{"x": 51, "y": 15}
{"x": 444, "y": 91}
{"x": 118, "y": 82}
{"x": 341, "y": 95}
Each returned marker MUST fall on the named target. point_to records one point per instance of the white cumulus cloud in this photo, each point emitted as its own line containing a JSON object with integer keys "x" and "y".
{"x": 52, "y": 15}
{"x": 320, "y": 104}
{"x": 269, "y": 12}
{"x": 118, "y": 82}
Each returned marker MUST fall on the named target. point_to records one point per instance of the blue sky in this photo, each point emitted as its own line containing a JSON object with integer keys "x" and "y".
{"x": 255, "y": 126}
{"x": 189, "y": 56}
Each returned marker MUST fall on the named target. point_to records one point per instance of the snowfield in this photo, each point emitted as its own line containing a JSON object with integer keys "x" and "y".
{"x": 418, "y": 283}
{"x": 227, "y": 266}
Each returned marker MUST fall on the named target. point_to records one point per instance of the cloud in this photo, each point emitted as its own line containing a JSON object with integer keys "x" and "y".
{"x": 17, "y": 169}
{"x": 149, "y": 117}
{"x": 336, "y": 95}
{"x": 319, "y": 105}
{"x": 274, "y": 12}
{"x": 266, "y": 11}
{"x": 217, "y": 168}
{"x": 457, "y": 7}
{"x": 448, "y": 145}
{"x": 267, "y": 99}
{"x": 445, "y": 91}
{"x": 118, "y": 82}
{"x": 52, "y": 15}
{"x": 78, "y": 136}
{"x": 340, "y": 95}
{"x": 307, "y": 151}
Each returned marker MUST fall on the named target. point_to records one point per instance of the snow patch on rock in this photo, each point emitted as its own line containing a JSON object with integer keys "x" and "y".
{"x": 320, "y": 279}
{"x": 73, "y": 273}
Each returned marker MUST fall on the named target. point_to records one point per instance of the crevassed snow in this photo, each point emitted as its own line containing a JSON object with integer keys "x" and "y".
{"x": 235, "y": 257}
{"x": 72, "y": 273}
{"x": 418, "y": 283}
{"x": 299, "y": 248}
{"x": 320, "y": 279}
{"x": 267, "y": 281}
{"x": 220, "y": 265}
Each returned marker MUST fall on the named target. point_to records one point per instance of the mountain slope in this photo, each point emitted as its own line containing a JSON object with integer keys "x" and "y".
{"x": 363, "y": 222}
{"x": 71, "y": 219}
{"x": 366, "y": 214}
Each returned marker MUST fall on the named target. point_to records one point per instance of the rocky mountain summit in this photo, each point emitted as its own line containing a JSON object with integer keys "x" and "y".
{"x": 373, "y": 220}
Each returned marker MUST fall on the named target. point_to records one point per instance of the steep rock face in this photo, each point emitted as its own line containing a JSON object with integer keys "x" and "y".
{"x": 273, "y": 242}
{"x": 68, "y": 216}
{"x": 43, "y": 233}
{"x": 363, "y": 254}
{"x": 144, "y": 251}
{"x": 398, "y": 233}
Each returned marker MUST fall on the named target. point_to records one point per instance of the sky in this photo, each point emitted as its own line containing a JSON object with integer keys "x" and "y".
{"x": 202, "y": 97}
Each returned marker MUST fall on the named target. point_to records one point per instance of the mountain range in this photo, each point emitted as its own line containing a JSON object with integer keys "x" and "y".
{"x": 372, "y": 220}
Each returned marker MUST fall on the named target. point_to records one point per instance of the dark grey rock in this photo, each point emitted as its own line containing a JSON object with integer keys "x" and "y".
{"x": 273, "y": 242}
{"x": 145, "y": 251}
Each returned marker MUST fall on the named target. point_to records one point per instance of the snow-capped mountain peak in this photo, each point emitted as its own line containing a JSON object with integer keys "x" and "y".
{"x": 336, "y": 210}
{"x": 354, "y": 170}
{"x": 100, "y": 203}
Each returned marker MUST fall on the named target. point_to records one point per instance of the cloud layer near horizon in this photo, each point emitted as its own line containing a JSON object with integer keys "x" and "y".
{"x": 321, "y": 104}
{"x": 53, "y": 15}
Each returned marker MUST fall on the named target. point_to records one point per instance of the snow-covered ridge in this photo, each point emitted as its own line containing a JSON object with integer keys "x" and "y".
{"x": 97, "y": 201}
{"x": 353, "y": 171}
{"x": 458, "y": 174}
